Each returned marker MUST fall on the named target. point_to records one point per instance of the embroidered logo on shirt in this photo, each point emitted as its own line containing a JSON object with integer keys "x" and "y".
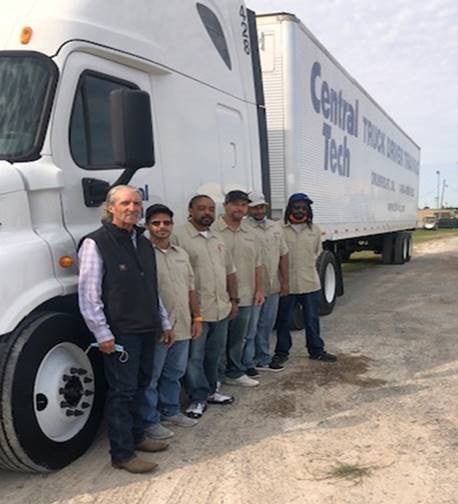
{"x": 123, "y": 267}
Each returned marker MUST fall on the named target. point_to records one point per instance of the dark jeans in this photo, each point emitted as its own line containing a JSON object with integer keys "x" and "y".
{"x": 310, "y": 308}
{"x": 127, "y": 385}
{"x": 204, "y": 357}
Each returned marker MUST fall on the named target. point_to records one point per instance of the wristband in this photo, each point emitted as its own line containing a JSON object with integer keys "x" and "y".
{"x": 198, "y": 319}
{"x": 235, "y": 300}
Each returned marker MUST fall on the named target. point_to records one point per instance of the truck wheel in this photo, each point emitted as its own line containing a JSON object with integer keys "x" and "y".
{"x": 388, "y": 249}
{"x": 409, "y": 247}
{"x": 51, "y": 393}
{"x": 400, "y": 248}
{"x": 328, "y": 273}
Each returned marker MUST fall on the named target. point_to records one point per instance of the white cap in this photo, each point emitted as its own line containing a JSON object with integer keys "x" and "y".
{"x": 256, "y": 198}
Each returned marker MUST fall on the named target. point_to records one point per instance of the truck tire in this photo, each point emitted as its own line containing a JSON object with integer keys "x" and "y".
{"x": 409, "y": 247}
{"x": 328, "y": 271}
{"x": 388, "y": 249}
{"x": 400, "y": 248}
{"x": 51, "y": 393}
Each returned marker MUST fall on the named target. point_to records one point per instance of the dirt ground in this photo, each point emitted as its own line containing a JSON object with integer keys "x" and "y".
{"x": 379, "y": 426}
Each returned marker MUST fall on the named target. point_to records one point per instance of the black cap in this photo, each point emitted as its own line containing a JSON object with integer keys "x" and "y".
{"x": 236, "y": 195}
{"x": 157, "y": 208}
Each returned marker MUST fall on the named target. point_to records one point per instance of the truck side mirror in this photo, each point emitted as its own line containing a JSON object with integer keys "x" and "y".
{"x": 131, "y": 131}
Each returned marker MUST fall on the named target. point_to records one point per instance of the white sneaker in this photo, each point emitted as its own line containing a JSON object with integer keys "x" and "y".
{"x": 180, "y": 420}
{"x": 241, "y": 381}
{"x": 218, "y": 398}
{"x": 158, "y": 431}
{"x": 196, "y": 409}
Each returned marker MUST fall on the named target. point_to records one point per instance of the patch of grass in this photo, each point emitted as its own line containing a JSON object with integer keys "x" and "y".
{"x": 353, "y": 472}
{"x": 424, "y": 235}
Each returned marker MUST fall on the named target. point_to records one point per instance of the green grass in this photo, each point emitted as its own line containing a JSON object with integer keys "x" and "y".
{"x": 422, "y": 235}
{"x": 352, "y": 472}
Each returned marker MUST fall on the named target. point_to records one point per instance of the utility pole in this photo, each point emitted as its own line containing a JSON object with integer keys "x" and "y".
{"x": 438, "y": 173}
{"x": 444, "y": 185}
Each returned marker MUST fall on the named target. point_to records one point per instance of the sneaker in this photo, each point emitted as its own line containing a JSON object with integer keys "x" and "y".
{"x": 196, "y": 409}
{"x": 158, "y": 431}
{"x": 241, "y": 381}
{"x": 136, "y": 466}
{"x": 251, "y": 372}
{"x": 273, "y": 367}
{"x": 324, "y": 356}
{"x": 218, "y": 398}
{"x": 280, "y": 359}
{"x": 180, "y": 420}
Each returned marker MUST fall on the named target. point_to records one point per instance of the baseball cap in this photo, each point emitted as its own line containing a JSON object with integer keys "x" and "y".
{"x": 256, "y": 198}
{"x": 300, "y": 197}
{"x": 236, "y": 195}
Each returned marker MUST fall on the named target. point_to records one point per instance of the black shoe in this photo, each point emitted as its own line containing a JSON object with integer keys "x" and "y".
{"x": 251, "y": 372}
{"x": 275, "y": 365}
{"x": 279, "y": 358}
{"x": 324, "y": 356}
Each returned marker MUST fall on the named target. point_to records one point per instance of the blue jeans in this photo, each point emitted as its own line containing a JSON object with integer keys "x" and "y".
{"x": 126, "y": 395}
{"x": 236, "y": 333}
{"x": 163, "y": 393}
{"x": 250, "y": 337}
{"x": 265, "y": 326}
{"x": 310, "y": 308}
{"x": 204, "y": 358}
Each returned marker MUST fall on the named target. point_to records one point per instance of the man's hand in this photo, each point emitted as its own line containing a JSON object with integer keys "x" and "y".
{"x": 234, "y": 311}
{"x": 107, "y": 347}
{"x": 168, "y": 338}
{"x": 259, "y": 298}
{"x": 284, "y": 289}
{"x": 196, "y": 330}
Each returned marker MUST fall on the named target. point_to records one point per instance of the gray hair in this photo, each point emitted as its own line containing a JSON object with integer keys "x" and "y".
{"x": 111, "y": 198}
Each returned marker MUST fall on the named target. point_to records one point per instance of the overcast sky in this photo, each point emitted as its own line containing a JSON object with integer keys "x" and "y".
{"x": 405, "y": 54}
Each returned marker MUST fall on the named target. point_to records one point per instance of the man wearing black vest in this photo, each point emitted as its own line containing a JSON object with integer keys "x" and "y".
{"x": 119, "y": 301}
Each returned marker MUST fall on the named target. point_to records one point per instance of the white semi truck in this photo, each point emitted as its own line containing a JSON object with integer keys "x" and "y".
{"x": 330, "y": 139}
{"x": 168, "y": 97}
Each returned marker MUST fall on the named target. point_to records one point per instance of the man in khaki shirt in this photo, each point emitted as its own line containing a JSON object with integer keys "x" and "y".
{"x": 256, "y": 351}
{"x": 176, "y": 288}
{"x": 303, "y": 239}
{"x": 246, "y": 254}
{"x": 215, "y": 282}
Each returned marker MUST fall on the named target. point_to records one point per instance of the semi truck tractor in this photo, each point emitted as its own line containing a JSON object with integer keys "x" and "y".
{"x": 329, "y": 138}
{"x": 168, "y": 97}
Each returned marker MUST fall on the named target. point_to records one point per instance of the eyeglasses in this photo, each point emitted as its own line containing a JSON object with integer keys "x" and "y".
{"x": 157, "y": 223}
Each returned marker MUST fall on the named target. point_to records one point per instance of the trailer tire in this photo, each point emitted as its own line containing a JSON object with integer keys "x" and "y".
{"x": 388, "y": 249}
{"x": 328, "y": 271}
{"x": 409, "y": 247}
{"x": 45, "y": 374}
{"x": 400, "y": 248}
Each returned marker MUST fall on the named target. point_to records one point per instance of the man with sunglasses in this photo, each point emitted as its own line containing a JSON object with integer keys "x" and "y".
{"x": 303, "y": 239}
{"x": 176, "y": 287}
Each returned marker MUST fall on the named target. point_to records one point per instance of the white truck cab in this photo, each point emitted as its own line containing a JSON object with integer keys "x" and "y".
{"x": 60, "y": 63}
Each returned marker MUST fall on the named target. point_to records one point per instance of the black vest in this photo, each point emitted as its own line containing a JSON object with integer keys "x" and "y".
{"x": 129, "y": 285}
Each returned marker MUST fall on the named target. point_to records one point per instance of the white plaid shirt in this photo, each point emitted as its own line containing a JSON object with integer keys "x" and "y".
{"x": 91, "y": 271}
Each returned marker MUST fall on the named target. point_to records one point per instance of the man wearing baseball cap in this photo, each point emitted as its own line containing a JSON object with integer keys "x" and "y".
{"x": 304, "y": 246}
{"x": 274, "y": 253}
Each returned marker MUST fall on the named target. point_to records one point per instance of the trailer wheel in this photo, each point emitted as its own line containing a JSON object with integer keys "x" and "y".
{"x": 400, "y": 248}
{"x": 51, "y": 393}
{"x": 328, "y": 272}
{"x": 409, "y": 246}
{"x": 388, "y": 249}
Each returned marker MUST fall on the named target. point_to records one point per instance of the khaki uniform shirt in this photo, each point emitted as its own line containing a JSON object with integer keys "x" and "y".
{"x": 304, "y": 247}
{"x": 246, "y": 254}
{"x": 211, "y": 263}
{"x": 273, "y": 246}
{"x": 175, "y": 280}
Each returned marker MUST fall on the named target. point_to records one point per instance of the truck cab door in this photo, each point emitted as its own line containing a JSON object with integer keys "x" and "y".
{"x": 81, "y": 141}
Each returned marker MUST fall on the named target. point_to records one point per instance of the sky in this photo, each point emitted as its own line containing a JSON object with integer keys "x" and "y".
{"x": 405, "y": 55}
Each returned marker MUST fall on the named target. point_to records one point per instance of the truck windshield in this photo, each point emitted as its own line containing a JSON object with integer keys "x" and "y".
{"x": 27, "y": 85}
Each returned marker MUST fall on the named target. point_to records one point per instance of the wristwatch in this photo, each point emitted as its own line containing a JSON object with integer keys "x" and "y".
{"x": 234, "y": 300}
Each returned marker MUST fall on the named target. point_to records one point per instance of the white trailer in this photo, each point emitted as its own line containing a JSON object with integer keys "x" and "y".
{"x": 59, "y": 63}
{"x": 327, "y": 137}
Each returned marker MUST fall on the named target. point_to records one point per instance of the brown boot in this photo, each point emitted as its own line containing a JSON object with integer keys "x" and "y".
{"x": 151, "y": 445}
{"x": 136, "y": 466}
